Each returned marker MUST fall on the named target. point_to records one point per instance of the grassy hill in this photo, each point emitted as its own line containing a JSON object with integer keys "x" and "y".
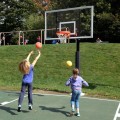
{"x": 99, "y": 66}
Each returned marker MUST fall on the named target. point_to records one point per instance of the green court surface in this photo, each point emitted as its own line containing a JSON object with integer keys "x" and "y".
{"x": 57, "y": 107}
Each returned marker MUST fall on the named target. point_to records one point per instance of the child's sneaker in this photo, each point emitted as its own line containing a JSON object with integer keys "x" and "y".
{"x": 30, "y": 107}
{"x": 72, "y": 113}
{"x": 19, "y": 109}
{"x": 78, "y": 114}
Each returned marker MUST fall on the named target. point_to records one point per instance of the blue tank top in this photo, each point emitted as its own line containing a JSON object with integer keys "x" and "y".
{"x": 28, "y": 78}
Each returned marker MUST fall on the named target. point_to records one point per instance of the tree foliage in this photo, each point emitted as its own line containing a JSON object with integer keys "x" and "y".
{"x": 23, "y": 14}
{"x": 106, "y": 16}
{"x": 14, "y": 12}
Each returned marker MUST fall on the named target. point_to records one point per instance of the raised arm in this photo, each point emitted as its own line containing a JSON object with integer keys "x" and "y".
{"x": 36, "y": 59}
{"x": 28, "y": 57}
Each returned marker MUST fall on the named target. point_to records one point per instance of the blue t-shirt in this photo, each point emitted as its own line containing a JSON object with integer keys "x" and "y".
{"x": 28, "y": 78}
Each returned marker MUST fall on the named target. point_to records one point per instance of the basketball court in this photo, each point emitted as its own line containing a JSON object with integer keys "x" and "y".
{"x": 77, "y": 23}
{"x": 57, "y": 107}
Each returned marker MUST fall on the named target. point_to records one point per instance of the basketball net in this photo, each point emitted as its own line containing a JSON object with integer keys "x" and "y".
{"x": 63, "y": 36}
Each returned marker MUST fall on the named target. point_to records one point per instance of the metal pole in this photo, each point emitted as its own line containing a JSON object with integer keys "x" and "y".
{"x": 77, "y": 55}
{"x": 0, "y": 39}
{"x": 19, "y": 38}
{"x": 3, "y": 38}
{"x": 23, "y": 38}
{"x": 44, "y": 36}
{"x": 41, "y": 37}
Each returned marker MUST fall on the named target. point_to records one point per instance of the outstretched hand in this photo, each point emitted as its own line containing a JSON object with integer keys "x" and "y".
{"x": 36, "y": 59}
{"x": 32, "y": 52}
{"x": 39, "y": 52}
{"x": 28, "y": 57}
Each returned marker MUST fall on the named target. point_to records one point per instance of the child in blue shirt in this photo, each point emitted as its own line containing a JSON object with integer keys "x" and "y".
{"x": 27, "y": 69}
{"x": 76, "y": 82}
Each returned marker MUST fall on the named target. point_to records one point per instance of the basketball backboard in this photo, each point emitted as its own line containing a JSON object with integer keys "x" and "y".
{"x": 79, "y": 21}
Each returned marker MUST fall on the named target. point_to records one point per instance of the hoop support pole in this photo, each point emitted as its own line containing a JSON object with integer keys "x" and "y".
{"x": 77, "y": 55}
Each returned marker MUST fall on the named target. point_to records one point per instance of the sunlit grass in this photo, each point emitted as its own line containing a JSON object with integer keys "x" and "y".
{"x": 99, "y": 66}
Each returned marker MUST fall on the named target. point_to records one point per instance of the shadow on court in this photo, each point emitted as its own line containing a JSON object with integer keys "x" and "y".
{"x": 55, "y": 107}
{"x": 55, "y": 110}
{"x": 10, "y": 110}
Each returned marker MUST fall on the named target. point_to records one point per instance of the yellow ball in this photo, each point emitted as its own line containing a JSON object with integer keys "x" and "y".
{"x": 69, "y": 63}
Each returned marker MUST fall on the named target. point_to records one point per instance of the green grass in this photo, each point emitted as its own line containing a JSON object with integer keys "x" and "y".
{"x": 99, "y": 66}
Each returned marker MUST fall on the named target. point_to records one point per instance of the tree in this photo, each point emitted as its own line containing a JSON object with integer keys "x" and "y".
{"x": 16, "y": 14}
{"x": 13, "y": 13}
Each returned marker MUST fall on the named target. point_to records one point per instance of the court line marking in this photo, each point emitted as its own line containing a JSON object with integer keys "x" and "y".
{"x": 109, "y": 100}
{"x": 81, "y": 97}
{"x": 117, "y": 114}
{"x": 7, "y": 102}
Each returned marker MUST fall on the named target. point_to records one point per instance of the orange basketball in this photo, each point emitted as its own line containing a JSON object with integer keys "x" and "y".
{"x": 38, "y": 45}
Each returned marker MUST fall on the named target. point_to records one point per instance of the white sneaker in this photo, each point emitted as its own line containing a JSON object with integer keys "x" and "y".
{"x": 82, "y": 94}
{"x": 19, "y": 109}
{"x": 78, "y": 114}
{"x": 30, "y": 107}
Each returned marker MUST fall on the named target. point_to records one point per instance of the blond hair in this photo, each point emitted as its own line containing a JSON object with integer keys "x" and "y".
{"x": 75, "y": 71}
{"x": 24, "y": 66}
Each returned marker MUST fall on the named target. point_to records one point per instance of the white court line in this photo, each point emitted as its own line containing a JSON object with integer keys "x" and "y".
{"x": 7, "y": 102}
{"x": 109, "y": 100}
{"x": 117, "y": 114}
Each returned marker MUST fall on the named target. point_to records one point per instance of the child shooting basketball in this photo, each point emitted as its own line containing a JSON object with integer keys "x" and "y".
{"x": 27, "y": 69}
{"x": 76, "y": 82}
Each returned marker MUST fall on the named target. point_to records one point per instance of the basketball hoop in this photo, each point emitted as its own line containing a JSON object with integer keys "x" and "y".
{"x": 63, "y": 35}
